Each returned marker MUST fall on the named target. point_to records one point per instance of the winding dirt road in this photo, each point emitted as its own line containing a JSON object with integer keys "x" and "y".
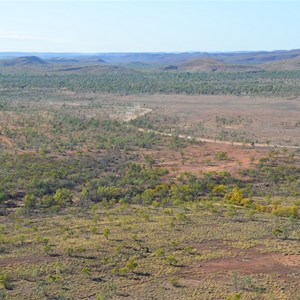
{"x": 199, "y": 139}
{"x": 143, "y": 111}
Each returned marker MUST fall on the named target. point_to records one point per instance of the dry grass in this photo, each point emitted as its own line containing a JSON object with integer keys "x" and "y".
{"x": 241, "y": 118}
{"x": 68, "y": 256}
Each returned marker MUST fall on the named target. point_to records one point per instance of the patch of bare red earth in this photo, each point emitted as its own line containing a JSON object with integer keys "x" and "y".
{"x": 204, "y": 158}
{"x": 246, "y": 262}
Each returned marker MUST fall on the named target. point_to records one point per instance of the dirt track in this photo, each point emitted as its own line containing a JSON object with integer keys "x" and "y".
{"x": 270, "y": 121}
{"x": 197, "y": 139}
{"x": 136, "y": 113}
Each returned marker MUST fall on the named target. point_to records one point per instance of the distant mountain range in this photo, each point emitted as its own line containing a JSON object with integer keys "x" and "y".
{"x": 174, "y": 62}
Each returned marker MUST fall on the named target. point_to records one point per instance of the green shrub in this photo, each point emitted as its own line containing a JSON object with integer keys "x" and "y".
{"x": 171, "y": 260}
{"x": 63, "y": 197}
{"x": 30, "y": 201}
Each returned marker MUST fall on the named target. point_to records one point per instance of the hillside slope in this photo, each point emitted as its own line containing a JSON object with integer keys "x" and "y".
{"x": 23, "y": 61}
{"x": 286, "y": 64}
{"x": 213, "y": 65}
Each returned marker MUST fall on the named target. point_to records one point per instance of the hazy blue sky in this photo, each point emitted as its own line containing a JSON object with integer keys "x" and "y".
{"x": 139, "y": 26}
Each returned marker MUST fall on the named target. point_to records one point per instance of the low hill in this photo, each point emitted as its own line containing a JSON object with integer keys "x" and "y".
{"x": 213, "y": 65}
{"x": 59, "y": 65}
{"x": 285, "y": 64}
{"x": 88, "y": 59}
{"x": 76, "y": 60}
{"x": 255, "y": 58}
{"x": 59, "y": 60}
{"x": 89, "y": 69}
{"x": 23, "y": 61}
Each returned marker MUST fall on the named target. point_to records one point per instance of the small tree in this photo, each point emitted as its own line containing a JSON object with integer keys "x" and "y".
{"x": 235, "y": 196}
{"x": 106, "y": 232}
{"x": 149, "y": 160}
{"x": 30, "y": 201}
{"x": 171, "y": 260}
{"x": 222, "y": 155}
{"x": 63, "y": 197}
{"x": 4, "y": 281}
{"x": 131, "y": 264}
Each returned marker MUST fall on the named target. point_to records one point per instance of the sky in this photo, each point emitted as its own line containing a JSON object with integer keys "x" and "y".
{"x": 148, "y": 26}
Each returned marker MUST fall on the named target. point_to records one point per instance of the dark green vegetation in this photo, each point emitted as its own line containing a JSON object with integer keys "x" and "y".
{"x": 87, "y": 212}
{"x": 275, "y": 83}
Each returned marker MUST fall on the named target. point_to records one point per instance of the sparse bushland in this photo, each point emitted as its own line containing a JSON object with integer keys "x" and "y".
{"x": 130, "y": 255}
{"x": 113, "y": 234}
{"x": 88, "y": 211}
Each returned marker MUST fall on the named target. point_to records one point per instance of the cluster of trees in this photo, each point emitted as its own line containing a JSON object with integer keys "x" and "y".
{"x": 64, "y": 129}
{"x": 45, "y": 181}
{"x": 276, "y": 174}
